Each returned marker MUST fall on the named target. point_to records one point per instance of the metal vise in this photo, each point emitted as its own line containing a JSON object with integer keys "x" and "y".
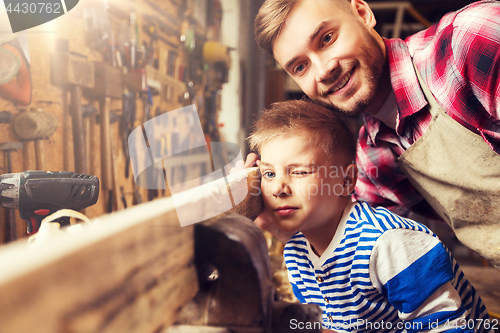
{"x": 235, "y": 289}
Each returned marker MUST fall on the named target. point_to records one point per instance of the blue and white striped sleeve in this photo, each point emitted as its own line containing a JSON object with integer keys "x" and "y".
{"x": 295, "y": 289}
{"x": 413, "y": 271}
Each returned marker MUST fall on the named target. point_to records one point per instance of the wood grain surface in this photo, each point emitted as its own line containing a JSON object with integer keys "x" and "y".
{"x": 129, "y": 271}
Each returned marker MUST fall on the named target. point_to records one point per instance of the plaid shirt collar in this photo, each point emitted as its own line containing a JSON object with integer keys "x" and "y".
{"x": 409, "y": 96}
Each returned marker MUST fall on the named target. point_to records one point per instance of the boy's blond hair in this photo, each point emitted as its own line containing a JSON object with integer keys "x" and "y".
{"x": 328, "y": 130}
{"x": 271, "y": 18}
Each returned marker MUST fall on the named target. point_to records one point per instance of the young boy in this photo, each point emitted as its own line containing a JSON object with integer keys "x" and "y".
{"x": 367, "y": 268}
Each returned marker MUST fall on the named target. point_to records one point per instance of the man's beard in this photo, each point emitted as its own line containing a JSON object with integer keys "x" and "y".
{"x": 372, "y": 77}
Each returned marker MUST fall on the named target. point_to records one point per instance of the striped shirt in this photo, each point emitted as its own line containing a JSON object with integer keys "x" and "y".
{"x": 459, "y": 59}
{"x": 385, "y": 273}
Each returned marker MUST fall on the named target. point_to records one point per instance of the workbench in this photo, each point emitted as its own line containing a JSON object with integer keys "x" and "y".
{"x": 138, "y": 270}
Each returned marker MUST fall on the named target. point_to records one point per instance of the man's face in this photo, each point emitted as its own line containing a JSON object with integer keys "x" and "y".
{"x": 302, "y": 190}
{"x": 331, "y": 53}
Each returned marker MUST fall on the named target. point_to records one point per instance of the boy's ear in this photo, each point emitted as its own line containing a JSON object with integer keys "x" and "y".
{"x": 350, "y": 178}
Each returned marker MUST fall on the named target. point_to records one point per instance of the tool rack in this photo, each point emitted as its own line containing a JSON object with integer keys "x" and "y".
{"x": 156, "y": 47}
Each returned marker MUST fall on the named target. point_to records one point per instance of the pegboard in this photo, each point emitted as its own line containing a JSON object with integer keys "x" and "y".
{"x": 155, "y": 44}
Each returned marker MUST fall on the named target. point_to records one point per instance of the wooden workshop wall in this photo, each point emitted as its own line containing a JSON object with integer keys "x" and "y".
{"x": 171, "y": 62}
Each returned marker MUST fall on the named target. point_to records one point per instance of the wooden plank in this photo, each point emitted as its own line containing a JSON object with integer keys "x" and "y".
{"x": 239, "y": 192}
{"x": 129, "y": 271}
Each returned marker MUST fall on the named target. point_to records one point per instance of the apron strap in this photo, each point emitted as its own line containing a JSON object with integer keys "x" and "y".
{"x": 433, "y": 106}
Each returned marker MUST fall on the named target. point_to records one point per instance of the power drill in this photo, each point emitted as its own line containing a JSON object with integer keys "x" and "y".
{"x": 40, "y": 193}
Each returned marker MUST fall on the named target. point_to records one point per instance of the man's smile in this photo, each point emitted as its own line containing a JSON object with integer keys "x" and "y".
{"x": 343, "y": 82}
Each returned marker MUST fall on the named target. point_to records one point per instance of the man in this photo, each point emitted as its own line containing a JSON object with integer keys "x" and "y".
{"x": 431, "y": 136}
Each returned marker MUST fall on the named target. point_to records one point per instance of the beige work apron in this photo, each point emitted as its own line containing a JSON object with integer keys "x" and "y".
{"x": 459, "y": 175}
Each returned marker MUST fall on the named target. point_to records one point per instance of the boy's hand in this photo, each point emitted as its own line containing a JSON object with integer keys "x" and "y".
{"x": 265, "y": 222}
{"x": 251, "y": 161}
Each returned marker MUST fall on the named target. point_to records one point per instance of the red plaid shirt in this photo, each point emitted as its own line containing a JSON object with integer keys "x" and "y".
{"x": 459, "y": 59}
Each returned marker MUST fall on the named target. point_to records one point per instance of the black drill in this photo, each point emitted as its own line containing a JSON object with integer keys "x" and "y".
{"x": 40, "y": 193}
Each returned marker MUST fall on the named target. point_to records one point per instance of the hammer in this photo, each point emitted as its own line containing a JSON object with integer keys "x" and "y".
{"x": 73, "y": 71}
{"x": 108, "y": 85}
{"x": 10, "y": 227}
{"x": 35, "y": 125}
{"x": 6, "y": 117}
{"x": 88, "y": 114}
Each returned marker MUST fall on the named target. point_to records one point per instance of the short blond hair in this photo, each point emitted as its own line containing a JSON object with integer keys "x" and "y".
{"x": 271, "y": 18}
{"x": 330, "y": 131}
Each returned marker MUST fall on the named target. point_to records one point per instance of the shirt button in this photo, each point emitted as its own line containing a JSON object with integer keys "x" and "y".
{"x": 319, "y": 279}
{"x": 330, "y": 318}
{"x": 327, "y": 300}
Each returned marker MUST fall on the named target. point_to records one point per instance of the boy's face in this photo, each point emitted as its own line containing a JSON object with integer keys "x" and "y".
{"x": 301, "y": 188}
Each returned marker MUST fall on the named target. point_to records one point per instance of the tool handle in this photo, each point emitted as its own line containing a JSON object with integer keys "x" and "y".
{"x": 10, "y": 226}
{"x": 77, "y": 124}
{"x": 107, "y": 172}
{"x": 6, "y": 117}
{"x": 39, "y": 149}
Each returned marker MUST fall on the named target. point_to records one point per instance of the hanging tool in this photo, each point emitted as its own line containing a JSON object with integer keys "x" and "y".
{"x": 147, "y": 100}
{"x": 10, "y": 217}
{"x": 123, "y": 198}
{"x": 49, "y": 102}
{"x": 40, "y": 193}
{"x": 6, "y": 117}
{"x": 117, "y": 202}
{"x": 73, "y": 71}
{"x": 10, "y": 228}
{"x": 108, "y": 85}
{"x": 127, "y": 126}
{"x": 88, "y": 114}
{"x": 36, "y": 125}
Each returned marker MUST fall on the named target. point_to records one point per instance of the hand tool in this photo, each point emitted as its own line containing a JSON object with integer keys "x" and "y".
{"x": 40, "y": 193}
{"x": 6, "y": 117}
{"x": 127, "y": 126}
{"x": 35, "y": 125}
{"x": 75, "y": 72}
{"x": 65, "y": 124}
{"x": 108, "y": 85}
{"x": 88, "y": 114}
{"x": 137, "y": 198}
{"x": 123, "y": 198}
{"x": 133, "y": 40}
{"x": 10, "y": 217}
{"x": 147, "y": 101}
{"x": 49, "y": 102}
{"x": 116, "y": 202}
{"x": 10, "y": 226}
